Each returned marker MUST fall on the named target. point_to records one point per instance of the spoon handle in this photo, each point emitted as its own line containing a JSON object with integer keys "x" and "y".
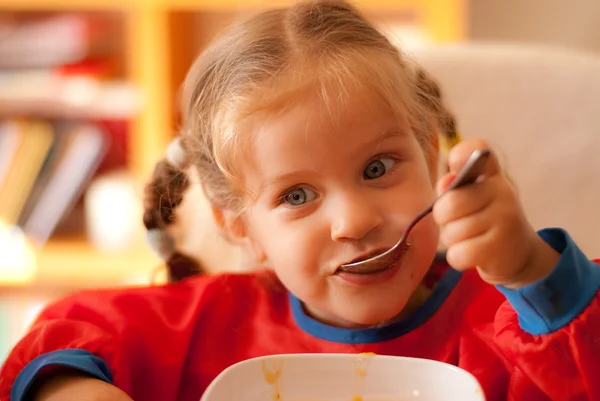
{"x": 472, "y": 169}
{"x": 468, "y": 174}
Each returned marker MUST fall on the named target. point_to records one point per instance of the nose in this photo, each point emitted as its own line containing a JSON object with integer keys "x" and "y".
{"x": 354, "y": 216}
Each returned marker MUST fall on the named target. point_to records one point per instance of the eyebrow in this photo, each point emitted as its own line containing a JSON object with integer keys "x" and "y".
{"x": 279, "y": 178}
{"x": 387, "y": 134}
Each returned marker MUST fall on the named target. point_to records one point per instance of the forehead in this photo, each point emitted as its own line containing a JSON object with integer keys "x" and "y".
{"x": 314, "y": 134}
{"x": 306, "y": 113}
{"x": 370, "y": 76}
{"x": 315, "y": 122}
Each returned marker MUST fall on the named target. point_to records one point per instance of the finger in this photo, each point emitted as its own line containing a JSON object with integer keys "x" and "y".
{"x": 470, "y": 253}
{"x": 460, "y": 153}
{"x": 444, "y": 182}
{"x": 466, "y": 228}
{"x": 464, "y": 201}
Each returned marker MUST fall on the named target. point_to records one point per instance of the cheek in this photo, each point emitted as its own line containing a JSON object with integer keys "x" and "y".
{"x": 425, "y": 237}
{"x": 291, "y": 247}
{"x": 423, "y": 245}
{"x": 411, "y": 197}
{"x": 293, "y": 256}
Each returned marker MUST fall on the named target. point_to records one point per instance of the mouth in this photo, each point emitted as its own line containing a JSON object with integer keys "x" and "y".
{"x": 363, "y": 269}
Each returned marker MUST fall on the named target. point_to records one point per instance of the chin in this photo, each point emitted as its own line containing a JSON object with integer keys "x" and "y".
{"x": 374, "y": 309}
{"x": 376, "y": 316}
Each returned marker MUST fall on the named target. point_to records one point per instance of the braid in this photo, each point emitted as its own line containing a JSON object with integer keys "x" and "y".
{"x": 162, "y": 195}
{"x": 430, "y": 95}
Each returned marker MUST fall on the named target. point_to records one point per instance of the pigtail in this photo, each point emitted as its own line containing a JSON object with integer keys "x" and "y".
{"x": 430, "y": 95}
{"x": 162, "y": 195}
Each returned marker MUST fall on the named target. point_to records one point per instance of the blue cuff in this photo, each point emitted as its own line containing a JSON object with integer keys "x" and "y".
{"x": 79, "y": 359}
{"x": 554, "y": 301}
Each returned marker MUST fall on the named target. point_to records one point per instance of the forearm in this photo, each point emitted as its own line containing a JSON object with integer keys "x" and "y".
{"x": 68, "y": 384}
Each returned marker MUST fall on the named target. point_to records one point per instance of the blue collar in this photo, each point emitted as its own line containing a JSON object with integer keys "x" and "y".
{"x": 377, "y": 334}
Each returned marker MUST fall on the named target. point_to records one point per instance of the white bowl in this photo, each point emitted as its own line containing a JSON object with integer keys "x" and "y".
{"x": 343, "y": 377}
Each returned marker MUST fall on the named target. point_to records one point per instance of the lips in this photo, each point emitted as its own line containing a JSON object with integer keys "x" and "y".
{"x": 362, "y": 276}
{"x": 364, "y": 269}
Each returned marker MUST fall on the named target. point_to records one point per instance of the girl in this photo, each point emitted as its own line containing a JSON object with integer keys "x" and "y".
{"x": 317, "y": 142}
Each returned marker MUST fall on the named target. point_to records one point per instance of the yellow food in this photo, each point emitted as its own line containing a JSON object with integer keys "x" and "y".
{"x": 272, "y": 377}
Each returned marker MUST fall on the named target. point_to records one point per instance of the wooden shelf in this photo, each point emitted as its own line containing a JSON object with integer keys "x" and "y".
{"x": 75, "y": 264}
{"x": 444, "y": 18}
{"x": 106, "y": 106}
{"x": 222, "y": 5}
{"x": 158, "y": 52}
{"x": 151, "y": 57}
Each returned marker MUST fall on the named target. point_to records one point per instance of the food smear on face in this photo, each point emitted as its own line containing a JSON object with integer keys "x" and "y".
{"x": 272, "y": 377}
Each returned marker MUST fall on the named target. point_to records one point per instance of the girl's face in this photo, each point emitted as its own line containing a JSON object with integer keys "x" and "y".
{"x": 331, "y": 191}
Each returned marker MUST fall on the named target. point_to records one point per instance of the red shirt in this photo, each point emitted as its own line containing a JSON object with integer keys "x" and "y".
{"x": 169, "y": 342}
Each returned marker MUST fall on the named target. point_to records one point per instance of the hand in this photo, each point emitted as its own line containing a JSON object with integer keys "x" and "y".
{"x": 71, "y": 385}
{"x": 484, "y": 226}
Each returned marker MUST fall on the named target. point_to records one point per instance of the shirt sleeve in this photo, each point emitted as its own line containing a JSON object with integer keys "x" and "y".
{"x": 120, "y": 337}
{"x": 550, "y": 329}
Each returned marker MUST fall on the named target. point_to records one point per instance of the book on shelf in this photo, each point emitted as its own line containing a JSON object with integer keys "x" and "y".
{"x": 64, "y": 113}
{"x": 34, "y": 141}
{"x": 48, "y": 173}
{"x": 46, "y": 39}
{"x": 64, "y": 65}
{"x": 54, "y": 93}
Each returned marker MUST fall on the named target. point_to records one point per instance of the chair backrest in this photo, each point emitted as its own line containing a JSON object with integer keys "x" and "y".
{"x": 539, "y": 107}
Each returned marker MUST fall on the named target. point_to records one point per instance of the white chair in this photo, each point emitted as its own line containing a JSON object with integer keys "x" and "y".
{"x": 539, "y": 107}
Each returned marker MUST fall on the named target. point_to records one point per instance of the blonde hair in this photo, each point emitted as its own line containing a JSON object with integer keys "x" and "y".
{"x": 267, "y": 62}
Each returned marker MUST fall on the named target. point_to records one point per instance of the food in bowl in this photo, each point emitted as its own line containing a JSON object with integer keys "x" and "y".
{"x": 343, "y": 377}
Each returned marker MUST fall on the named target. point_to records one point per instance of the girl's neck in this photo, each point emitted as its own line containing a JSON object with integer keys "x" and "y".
{"x": 417, "y": 299}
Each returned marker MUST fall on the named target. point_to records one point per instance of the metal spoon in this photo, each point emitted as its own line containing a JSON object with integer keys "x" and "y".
{"x": 467, "y": 175}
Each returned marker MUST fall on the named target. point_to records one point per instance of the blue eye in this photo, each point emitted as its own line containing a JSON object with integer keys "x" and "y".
{"x": 378, "y": 167}
{"x": 299, "y": 196}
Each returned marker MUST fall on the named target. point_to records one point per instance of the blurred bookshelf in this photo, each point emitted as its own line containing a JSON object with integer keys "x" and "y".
{"x": 99, "y": 79}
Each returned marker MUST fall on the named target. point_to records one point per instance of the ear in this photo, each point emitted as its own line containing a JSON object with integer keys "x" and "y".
{"x": 234, "y": 227}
